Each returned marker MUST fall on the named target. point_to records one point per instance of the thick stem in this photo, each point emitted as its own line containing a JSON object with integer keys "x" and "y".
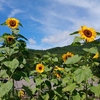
{"x": 86, "y": 91}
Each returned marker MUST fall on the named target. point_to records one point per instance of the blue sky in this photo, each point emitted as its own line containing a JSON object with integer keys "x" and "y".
{"x": 48, "y": 23}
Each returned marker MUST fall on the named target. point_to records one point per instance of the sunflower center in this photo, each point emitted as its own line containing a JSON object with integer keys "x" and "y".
{"x": 10, "y": 39}
{"x": 40, "y": 68}
{"x": 87, "y": 33}
{"x": 12, "y": 23}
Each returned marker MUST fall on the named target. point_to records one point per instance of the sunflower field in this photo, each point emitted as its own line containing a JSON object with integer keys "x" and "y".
{"x": 74, "y": 77}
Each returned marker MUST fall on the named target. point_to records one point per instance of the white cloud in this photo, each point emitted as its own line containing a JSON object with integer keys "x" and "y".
{"x": 14, "y": 12}
{"x": 31, "y": 41}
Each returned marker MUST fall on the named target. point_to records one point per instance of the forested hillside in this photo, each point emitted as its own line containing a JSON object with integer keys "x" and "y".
{"x": 76, "y": 49}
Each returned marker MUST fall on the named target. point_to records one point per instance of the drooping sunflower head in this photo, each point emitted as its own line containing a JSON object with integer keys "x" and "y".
{"x": 67, "y": 55}
{"x": 57, "y": 75}
{"x": 40, "y": 68}
{"x": 88, "y": 34}
{"x": 21, "y": 93}
{"x": 96, "y": 55}
{"x": 12, "y": 23}
{"x": 10, "y": 39}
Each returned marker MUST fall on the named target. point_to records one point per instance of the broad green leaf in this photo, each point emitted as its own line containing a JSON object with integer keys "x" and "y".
{"x": 77, "y": 39}
{"x": 12, "y": 64}
{"x": 1, "y": 39}
{"x": 54, "y": 81}
{"x": 55, "y": 59}
{"x": 38, "y": 81}
{"x": 70, "y": 87}
{"x": 93, "y": 50}
{"x": 82, "y": 74}
{"x": 76, "y": 97}
{"x": 76, "y": 32}
{"x": 96, "y": 90}
{"x": 3, "y": 73}
{"x": 9, "y": 51}
{"x": 2, "y": 58}
{"x": 15, "y": 31}
{"x": 46, "y": 96}
{"x": 33, "y": 90}
{"x": 5, "y": 88}
{"x": 72, "y": 60}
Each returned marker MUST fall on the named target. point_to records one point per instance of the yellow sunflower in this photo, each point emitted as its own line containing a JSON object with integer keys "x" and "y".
{"x": 88, "y": 34}
{"x": 21, "y": 93}
{"x": 10, "y": 39}
{"x": 67, "y": 55}
{"x": 40, "y": 68}
{"x": 96, "y": 55}
{"x": 12, "y": 23}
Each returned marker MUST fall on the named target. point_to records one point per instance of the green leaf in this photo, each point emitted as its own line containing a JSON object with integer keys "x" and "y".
{"x": 93, "y": 50}
{"x": 47, "y": 82}
{"x": 82, "y": 74}
{"x": 55, "y": 81}
{"x": 27, "y": 90}
{"x": 98, "y": 33}
{"x": 46, "y": 96}
{"x": 3, "y": 73}
{"x": 2, "y": 58}
{"x": 38, "y": 81}
{"x": 21, "y": 36}
{"x": 20, "y": 24}
{"x": 72, "y": 60}
{"x": 70, "y": 87}
{"x": 96, "y": 90}
{"x": 33, "y": 90}
{"x": 15, "y": 31}
{"x": 77, "y": 39}
{"x": 12, "y": 64}
{"x": 76, "y": 32}
{"x": 76, "y": 97}
{"x": 4, "y": 24}
{"x": 55, "y": 59}
{"x": 5, "y": 88}
{"x": 1, "y": 39}
{"x": 57, "y": 93}
{"x": 9, "y": 51}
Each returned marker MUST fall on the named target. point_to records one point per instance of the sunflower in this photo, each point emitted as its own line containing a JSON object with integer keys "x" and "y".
{"x": 10, "y": 39}
{"x": 21, "y": 93}
{"x": 67, "y": 55}
{"x": 12, "y": 23}
{"x": 96, "y": 55}
{"x": 40, "y": 68}
{"x": 88, "y": 34}
{"x": 57, "y": 75}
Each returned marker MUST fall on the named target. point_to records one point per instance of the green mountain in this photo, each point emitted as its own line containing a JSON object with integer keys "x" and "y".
{"x": 74, "y": 48}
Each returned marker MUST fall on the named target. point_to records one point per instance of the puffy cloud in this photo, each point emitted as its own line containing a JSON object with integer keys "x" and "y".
{"x": 31, "y": 41}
